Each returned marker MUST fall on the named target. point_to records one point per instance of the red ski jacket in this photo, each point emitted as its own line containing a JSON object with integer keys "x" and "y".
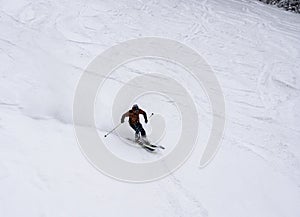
{"x": 134, "y": 116}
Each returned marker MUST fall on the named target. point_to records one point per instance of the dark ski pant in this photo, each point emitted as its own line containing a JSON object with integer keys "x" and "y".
{"x": 138, "y": 128}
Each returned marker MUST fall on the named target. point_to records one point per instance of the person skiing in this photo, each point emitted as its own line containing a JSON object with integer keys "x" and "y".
{"x": 134, "y": 121}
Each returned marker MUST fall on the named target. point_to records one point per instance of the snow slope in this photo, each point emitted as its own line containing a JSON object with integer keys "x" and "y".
{"x": 254, "y": 50}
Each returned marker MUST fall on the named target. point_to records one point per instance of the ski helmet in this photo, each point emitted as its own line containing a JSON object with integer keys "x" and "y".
{"x": 135, "y": 107}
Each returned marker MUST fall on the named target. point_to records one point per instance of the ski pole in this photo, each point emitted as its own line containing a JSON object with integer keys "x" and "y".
{"x": 113, "y": 130}
{"x": 151, "y": 115}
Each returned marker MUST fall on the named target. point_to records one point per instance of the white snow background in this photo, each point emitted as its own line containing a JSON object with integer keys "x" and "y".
{"x": 253, "y": 48}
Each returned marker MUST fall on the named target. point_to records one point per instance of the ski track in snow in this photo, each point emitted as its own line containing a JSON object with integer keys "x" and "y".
{"x": 253, "y": 48}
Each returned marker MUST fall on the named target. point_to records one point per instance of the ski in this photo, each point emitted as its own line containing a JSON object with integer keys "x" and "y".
{"x": 143, "y": 145}
{"x": 147, "y": 145}
{"x": 153, "y": 146}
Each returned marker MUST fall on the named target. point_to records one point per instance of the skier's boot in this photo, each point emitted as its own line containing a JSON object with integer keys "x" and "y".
{"x": 145, "y": 140}
{"x": 137, "y": 137}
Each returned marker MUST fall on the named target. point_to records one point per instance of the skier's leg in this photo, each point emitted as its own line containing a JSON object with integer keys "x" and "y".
{"x": 137, "y": 132}
{"x": 142, "y": 131}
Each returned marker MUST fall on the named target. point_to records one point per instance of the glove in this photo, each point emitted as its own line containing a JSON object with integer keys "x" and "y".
{"x": 122, "y": 121}
{"x": 146, "y": 121}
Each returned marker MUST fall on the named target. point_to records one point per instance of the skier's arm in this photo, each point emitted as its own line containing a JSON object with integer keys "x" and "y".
{"x": 123, "y": 116}
{"x": 144, "y": 114}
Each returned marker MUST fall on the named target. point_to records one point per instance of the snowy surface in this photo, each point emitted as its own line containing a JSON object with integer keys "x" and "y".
{"x": 254, "y": 50}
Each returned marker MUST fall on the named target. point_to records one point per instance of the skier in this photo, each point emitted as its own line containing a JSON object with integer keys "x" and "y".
{"x": 134, "y": 121}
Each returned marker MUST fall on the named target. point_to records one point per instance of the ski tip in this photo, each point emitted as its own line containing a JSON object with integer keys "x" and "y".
{"x": 150, "y": 149}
